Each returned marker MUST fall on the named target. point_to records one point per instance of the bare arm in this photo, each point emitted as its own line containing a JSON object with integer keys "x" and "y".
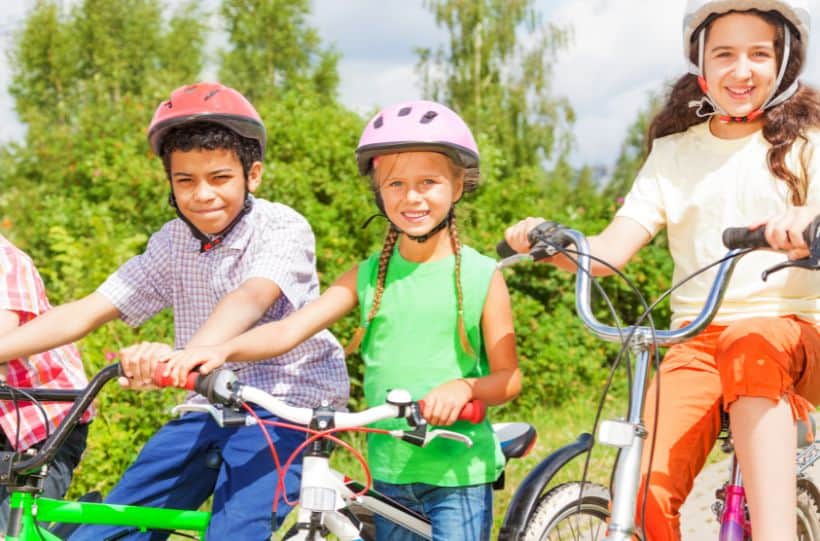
{"x": 61, "y": 325}
{"x": 443, "y": 404}
{"x": 281, "y": 336}
{"x": 232, "y": 315}
{"x": 236, "y": 312}
{"x": 616, "y": 244}
{"x": 8, "y": 321}
{"x": 274, "y": 338}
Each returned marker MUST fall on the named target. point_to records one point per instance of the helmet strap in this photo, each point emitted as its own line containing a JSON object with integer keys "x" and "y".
{"x": 209, "y": 242}
{"x": 424, "y": 238}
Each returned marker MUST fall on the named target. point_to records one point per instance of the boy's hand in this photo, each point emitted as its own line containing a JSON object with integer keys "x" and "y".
{"x": 181, "y": 363}
{"x": 139, "y": 362}
{"x": 516, "y": 235}
{"x": 443, "y": 403}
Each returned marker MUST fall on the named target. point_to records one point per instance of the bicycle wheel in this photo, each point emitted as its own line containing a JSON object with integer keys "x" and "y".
{"x": 808, "y": 515}
{"x": 564, "y": 513}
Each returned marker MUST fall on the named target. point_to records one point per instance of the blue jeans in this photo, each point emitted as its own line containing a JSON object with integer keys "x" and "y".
{"x": 176, "y": 469}
{"x": 457, "y": 513}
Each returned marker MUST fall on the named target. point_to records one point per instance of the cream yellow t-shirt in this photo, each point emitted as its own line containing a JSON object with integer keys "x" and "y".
{"x": 697, "y": 185}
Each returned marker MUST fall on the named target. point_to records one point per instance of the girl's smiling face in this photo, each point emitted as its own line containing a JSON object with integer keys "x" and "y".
{"x": 417, "y": 189}
{"x": 740, "y": 62}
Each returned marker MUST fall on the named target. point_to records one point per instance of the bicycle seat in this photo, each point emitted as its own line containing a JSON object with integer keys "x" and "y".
{"x": 517, "y": 439}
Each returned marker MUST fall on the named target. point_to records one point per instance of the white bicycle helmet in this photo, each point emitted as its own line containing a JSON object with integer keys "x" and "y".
{"x": 797, "y": 12}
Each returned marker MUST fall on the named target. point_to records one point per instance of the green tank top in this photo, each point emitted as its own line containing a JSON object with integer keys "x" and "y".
{"x": 413, "y": 344}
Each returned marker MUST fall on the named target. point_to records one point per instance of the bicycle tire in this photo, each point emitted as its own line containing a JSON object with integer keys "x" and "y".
{"x": 567, "y": 514}
{"x": 808, "y": 515}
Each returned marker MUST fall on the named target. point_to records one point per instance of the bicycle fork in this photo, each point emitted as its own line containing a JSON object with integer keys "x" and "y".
{"x": 628, "y": 436}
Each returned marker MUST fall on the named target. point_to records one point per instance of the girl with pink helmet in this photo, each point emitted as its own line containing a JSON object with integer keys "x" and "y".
{"x": 435, "y": 320}
{"x": 736, "y": 143}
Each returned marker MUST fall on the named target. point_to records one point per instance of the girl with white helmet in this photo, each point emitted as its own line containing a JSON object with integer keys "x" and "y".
{"x": 435, "y": 320}
{"x": 735, "y": 143}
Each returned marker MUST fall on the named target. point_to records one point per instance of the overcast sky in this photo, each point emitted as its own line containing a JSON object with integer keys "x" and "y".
{"x": 621, "y": 50}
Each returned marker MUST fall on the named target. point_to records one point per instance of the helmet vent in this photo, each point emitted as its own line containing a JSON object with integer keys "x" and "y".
{"x": 428, "y": 117}
{"x": 378, "y": 122}
{"x": 404, "y": 111}
{"x": 211, "y": 94}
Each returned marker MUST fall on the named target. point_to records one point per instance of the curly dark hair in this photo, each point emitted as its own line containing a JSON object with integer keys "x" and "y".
{"x": 209, "y": 136}
{"x": 783, "y": 124}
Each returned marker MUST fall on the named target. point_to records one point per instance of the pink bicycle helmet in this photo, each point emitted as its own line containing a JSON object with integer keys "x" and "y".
{"x": 417, "y": 125}
{"x": 211, "y": 102}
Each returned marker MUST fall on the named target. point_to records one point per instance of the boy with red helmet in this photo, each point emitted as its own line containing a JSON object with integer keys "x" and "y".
{"x": 228, "y": 263}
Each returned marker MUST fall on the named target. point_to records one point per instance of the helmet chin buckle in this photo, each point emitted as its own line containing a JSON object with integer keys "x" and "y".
{"x": 424, "y": 238}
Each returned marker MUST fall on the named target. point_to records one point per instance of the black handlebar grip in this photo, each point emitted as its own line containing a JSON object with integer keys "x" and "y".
{"x": 743, "y": 237}
{"x": 503, "y": 249}
{"x": 204, "y": 385}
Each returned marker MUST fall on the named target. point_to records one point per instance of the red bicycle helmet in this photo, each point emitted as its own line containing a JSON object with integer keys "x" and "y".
{"x": 211, "y": 102}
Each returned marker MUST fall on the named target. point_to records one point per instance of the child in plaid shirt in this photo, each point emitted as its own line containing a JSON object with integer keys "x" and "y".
{"x": 228, "y": 263}
{"x": 22, "y": 298}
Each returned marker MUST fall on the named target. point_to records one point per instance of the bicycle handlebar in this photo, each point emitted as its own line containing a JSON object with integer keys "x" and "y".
{"x": 83, "y": 400}
{"x": 222, "y": 385}
{"x": 549, "y": 233}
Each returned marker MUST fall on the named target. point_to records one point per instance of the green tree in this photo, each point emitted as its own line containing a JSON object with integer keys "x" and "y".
{"x": 498, "y": 81}
{"x": 273, "y": 50}
{"x": 82, "y": 193}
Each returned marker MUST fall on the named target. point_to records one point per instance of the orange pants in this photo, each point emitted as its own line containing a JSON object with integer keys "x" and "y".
{"x": 762, "y": 357}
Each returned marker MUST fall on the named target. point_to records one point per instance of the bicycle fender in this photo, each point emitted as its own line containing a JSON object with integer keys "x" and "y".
{"x": 526, "y": 496}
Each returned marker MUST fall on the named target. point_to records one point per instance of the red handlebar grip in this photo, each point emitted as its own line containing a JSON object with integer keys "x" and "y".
{"x": 160, "y": 380}
{"x": 473, "y": 411}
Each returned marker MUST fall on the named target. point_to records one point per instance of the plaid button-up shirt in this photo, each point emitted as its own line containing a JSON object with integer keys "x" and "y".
{"x": 273, "y": 242}
{"x": 22, "y": 292}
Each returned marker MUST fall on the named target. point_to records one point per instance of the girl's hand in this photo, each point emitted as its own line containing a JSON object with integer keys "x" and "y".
{"x": 443, "y": 404}
{"x": 785, "y": 231}
{"x": 516, "y": 235}
{"x": 138, "y": 363}
{"x": 181, "y": 363}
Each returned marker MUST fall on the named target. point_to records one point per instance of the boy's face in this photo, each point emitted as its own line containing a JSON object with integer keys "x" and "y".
{"x": 209, "y": 186}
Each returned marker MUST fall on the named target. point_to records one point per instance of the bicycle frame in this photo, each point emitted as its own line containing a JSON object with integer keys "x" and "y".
{"x": 325, "y": 493}
{"x": 27, "y": 509}
{"x": 629, "y": 435}
{"x": 23, "y": 474}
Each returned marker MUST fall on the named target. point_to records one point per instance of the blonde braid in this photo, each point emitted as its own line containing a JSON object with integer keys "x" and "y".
{"x": 462, "y": 332}
{"x": 384, "y": 259}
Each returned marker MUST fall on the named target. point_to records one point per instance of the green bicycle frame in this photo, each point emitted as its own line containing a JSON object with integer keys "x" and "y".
{"x": 33, "y": 509}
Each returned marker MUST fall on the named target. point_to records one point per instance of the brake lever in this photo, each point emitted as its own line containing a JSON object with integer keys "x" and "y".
{"x": 808, "y": 263}
{"x": 448, "y": 435}
{"x": 219, "y": 415}
{"x": 422, "y": 435}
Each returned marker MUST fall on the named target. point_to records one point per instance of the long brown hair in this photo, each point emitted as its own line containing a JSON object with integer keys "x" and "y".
{"x": 783, "y": 124}
{"x": 470, "y": 178}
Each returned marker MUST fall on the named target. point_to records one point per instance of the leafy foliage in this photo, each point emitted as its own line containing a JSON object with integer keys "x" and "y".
{"x": 82, "y": 193}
